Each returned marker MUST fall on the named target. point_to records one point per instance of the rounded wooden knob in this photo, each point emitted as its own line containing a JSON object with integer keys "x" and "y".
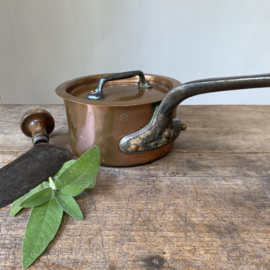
{"x": 37, "y": 124}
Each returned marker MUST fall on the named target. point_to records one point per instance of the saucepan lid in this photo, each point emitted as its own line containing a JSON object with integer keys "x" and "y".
{"x": 119, "y": 89}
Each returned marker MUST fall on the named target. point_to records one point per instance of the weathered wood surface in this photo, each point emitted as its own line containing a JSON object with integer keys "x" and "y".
{"x": 205, "y": 205}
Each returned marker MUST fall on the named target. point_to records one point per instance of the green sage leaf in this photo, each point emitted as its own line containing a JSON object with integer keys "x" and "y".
{"x": 79, "y": 186}
{"x": 16, "y": 204}
{"x": 38, "y": 198}
{"x": 93, "y": 183}
{"x": 69, "y": 205}
{"x": 41, "y": 228}
{"x": 81, "y": 174}
{"x": 64, "y": 167}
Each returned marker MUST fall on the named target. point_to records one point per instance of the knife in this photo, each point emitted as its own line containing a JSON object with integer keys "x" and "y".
{"x": 37, "y": 164}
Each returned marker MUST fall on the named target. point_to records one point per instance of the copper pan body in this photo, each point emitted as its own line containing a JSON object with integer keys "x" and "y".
{"x": 105, "y": 123}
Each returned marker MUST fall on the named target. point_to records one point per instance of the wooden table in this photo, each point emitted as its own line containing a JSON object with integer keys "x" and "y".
{"x": 205, "y": 205}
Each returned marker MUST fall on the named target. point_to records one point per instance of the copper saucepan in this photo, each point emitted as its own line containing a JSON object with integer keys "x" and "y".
{"x": 131, "y": 115}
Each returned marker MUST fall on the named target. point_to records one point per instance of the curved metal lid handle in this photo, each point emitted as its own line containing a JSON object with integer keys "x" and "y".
{"x": 98, "y": 93}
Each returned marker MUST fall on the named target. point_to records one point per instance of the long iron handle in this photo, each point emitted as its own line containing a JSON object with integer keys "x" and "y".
{"x": 193, "y": 88}
{"x": 164, "y": 129}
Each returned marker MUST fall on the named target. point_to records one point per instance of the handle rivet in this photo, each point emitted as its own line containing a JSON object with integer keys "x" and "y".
{"x": 183, "y": 127}
{"x": 134, "y": 148}
{"x": 167, "y": 134}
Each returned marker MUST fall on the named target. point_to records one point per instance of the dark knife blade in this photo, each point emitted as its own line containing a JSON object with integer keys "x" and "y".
{"x": 29, "y": 170}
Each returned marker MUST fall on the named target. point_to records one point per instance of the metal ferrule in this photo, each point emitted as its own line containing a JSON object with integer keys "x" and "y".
{"x": 40, "y": 138}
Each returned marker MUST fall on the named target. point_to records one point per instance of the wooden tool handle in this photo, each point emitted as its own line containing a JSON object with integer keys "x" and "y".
{"x": 37, "y": 124}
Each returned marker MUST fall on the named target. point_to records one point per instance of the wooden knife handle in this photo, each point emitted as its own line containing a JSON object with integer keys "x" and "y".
{"x": 37, "y": 124}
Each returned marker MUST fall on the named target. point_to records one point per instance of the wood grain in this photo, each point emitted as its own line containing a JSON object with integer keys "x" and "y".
{"x": 205, "y": 205}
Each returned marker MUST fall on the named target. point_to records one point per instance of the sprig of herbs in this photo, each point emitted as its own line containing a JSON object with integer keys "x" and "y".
{"x": 51, "y": 198}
